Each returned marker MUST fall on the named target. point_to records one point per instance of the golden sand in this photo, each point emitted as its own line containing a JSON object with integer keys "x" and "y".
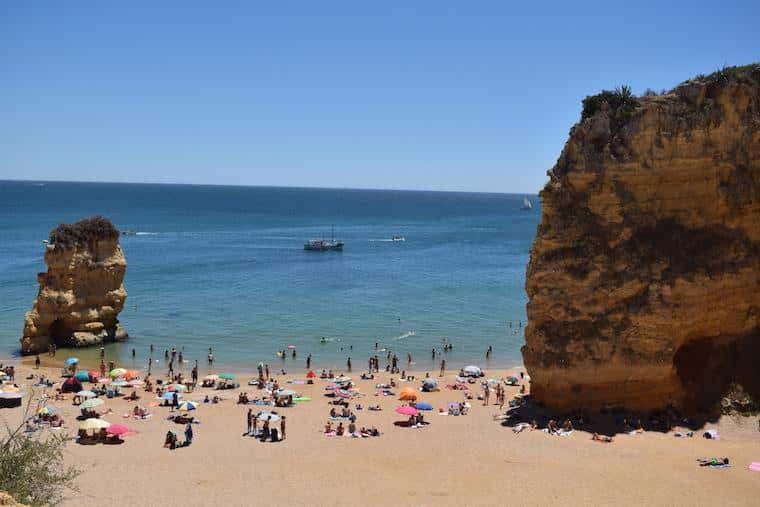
{"x": 465, "y": 460}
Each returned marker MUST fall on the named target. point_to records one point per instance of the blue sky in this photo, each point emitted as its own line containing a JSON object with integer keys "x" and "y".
{"x": 472, "y": 96}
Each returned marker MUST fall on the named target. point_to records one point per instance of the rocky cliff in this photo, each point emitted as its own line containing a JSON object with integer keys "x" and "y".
{"x": 81, "y": 294}
{"x": 644, "y": 277}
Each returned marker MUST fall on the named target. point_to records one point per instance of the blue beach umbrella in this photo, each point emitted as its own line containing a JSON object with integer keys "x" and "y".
{"x": 71, "y": 360}
{"x": 83, "y": 376}
{"x": 424, "y": 406}
{"x": 170, "y": 396}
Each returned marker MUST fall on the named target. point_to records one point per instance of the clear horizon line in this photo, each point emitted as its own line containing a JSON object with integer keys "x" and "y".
{"x": 298, "y": 187}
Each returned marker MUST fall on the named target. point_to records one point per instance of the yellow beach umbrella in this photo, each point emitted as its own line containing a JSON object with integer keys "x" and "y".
{"x": 94, "y": 424}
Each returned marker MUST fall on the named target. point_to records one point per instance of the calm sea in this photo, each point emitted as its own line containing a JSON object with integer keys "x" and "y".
{"x": 224, "y": 267}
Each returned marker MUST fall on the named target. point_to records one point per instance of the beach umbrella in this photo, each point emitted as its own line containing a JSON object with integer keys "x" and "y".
{"x": 86, "y": 394}
{"x": 406, "y": 410}
{"x": 83, "y": 376}
{"x": 170, "y": 396}
{"x": 424, "y": 406}
{"x": 10, "y": 389}
{"x": 227, "y": 376}
{"x": 91, "y": 403}
{"x": 131, "y": 374}
{"x": 118, "y": 372}
{"x": 71, "y": 360}
{"x": 408, "y": 394}
{"x": 429, "y": 383}
{"x": 93, "y": 424}
{"x": 343, "y": 379}
{"x": 71, "y": 385}
{"x": 268, "y": 416}
{"x": 186, "y": 406}
{"x": 311, "y": 374}
{"x": 175, "y": 387}
{"x": 512, "y": 380}
{"x": 284, "y": 393}
{"x": 342, "y": 393}
{"x": 472, "y": 370}
{"x": 211, "y": 377}
{"x": 94, "y": 373}
{"x": 11, "y": 395}
{"x": 2, "y": 373}
{"x": 46, "y": 410}
{"x": 118, "y": 429}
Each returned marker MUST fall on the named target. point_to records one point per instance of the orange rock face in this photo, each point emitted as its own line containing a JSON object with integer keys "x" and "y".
{"x": 644, "y": 278}
{"x": 82, "y": 293}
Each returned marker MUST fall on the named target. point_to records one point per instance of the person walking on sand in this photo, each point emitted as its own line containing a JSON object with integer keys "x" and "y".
{"x": 175, "y": 401}
{"x": 250, "y": 421}
{"x": 188, "y": 434}
{"x": 37, "y": 362}
{"x": 194, "y": 373}
{"x": 443, "y": 366}
{"x": 282, "y": 428}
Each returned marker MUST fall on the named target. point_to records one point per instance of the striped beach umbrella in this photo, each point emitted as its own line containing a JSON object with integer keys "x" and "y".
{"x": 118, "y": 372}
{"x": 187, "y": 406}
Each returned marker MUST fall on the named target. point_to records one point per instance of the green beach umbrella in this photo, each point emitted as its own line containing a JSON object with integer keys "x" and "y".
{"x": 91, "y": 403}
{"x": 227, "y": 376}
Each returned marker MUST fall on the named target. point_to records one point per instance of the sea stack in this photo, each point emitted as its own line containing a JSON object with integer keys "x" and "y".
{"x": 81, "y": 294}
{"x": 644, "y": 277}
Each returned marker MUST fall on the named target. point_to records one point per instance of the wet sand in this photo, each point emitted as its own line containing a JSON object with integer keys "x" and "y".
{"x": 464, "y": 460}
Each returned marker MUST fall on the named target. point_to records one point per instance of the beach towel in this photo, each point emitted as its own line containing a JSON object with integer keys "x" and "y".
{"x": 755, "y": 466}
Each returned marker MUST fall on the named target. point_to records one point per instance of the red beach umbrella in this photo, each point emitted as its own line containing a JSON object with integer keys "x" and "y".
{"x": 406, "y": 410}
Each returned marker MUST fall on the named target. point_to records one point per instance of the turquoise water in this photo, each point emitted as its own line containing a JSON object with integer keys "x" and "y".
{"x": 225, "y": 267}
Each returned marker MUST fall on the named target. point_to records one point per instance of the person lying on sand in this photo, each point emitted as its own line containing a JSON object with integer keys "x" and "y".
{"x": 602, "y": 438}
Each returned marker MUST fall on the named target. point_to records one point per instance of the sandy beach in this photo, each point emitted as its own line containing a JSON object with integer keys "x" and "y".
{"x": 454, "y": 460}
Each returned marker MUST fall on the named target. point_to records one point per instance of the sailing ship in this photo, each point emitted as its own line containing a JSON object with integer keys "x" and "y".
{"x": 527, "y": 205}
{"x": 324, "y": 245}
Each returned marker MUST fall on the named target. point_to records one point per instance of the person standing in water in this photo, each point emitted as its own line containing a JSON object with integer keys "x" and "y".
{"x": 348, "y": 364}
{"x": 308, "y": 362}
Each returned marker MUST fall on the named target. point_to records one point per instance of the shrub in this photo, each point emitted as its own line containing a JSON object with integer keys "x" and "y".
{"x": 82, "y": 232}
{"x": 31, "y": 467}
{"x": 621, "y": 101}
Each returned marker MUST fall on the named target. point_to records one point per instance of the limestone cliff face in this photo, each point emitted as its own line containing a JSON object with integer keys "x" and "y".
{"x": 644, "y": 277}
{"x": 82, "y": 293}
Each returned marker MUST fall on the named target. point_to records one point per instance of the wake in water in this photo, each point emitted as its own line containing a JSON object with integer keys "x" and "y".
{"x": 405, "y": 335}
{"x": 146, "y": 234}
